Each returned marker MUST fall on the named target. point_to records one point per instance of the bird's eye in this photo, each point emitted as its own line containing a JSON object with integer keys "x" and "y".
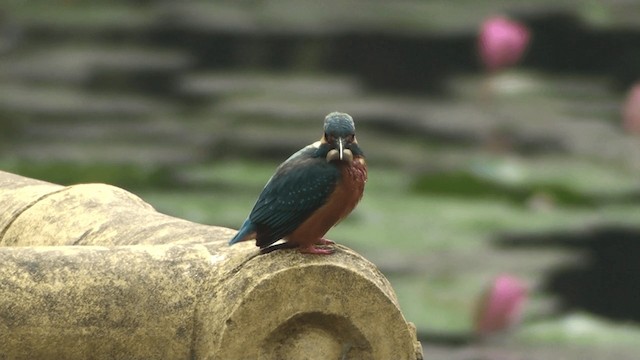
{"x": 350, "y": 138}
{"x": 329, "y": 138}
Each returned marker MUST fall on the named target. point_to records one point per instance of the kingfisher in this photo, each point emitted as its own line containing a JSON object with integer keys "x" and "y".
{"x": 310, "y": 192}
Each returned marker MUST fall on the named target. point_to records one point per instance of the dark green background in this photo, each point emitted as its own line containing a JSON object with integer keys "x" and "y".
{"x": 192, "y": 106}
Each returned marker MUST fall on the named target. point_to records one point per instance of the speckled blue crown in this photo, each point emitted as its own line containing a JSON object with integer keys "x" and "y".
{"x": 339, "y": 123}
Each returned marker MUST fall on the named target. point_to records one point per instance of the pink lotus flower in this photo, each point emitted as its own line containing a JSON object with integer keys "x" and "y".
{"x": 500, "y": 307}
{"x": 502, "y": 42}
{"x": 631, "y": 111}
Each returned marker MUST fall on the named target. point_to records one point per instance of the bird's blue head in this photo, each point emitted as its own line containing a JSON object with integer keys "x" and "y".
{"x": 340, "y": 137}
{"x": 339, "y": 124}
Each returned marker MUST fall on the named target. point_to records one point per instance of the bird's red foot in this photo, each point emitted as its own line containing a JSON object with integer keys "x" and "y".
{"x": 323, "y": 241}
{"x": 311, "y": 249}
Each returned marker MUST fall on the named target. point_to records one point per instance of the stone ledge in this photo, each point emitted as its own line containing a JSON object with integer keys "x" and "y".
{"x": 116, "y": 279}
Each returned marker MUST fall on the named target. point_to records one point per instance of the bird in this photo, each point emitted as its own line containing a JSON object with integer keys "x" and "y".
{"x": 310, "y": 192}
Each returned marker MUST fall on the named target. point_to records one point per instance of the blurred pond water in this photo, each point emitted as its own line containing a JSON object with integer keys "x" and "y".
{"x": 527, "y": 172}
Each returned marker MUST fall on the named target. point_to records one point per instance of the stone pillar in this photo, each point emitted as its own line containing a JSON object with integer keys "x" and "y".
{"x": 92, "y": 272}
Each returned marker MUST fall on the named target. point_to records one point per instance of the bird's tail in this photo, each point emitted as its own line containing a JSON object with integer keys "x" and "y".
{"x": 247, "y": 232}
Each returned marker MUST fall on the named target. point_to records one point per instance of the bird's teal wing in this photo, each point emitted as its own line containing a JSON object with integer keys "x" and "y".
{"x": 300, "y": 186}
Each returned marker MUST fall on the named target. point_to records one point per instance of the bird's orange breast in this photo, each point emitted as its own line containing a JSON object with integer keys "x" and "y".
{"x": 341, "y": 202}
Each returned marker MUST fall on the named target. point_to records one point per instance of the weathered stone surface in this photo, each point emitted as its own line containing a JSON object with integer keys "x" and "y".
{"x": 99, "y": 303}
{"x": 307, "y": 307}
{"x": 18, "y": 194}
{"x": 149, "y": 286}
{"x": 98, "y": 214}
